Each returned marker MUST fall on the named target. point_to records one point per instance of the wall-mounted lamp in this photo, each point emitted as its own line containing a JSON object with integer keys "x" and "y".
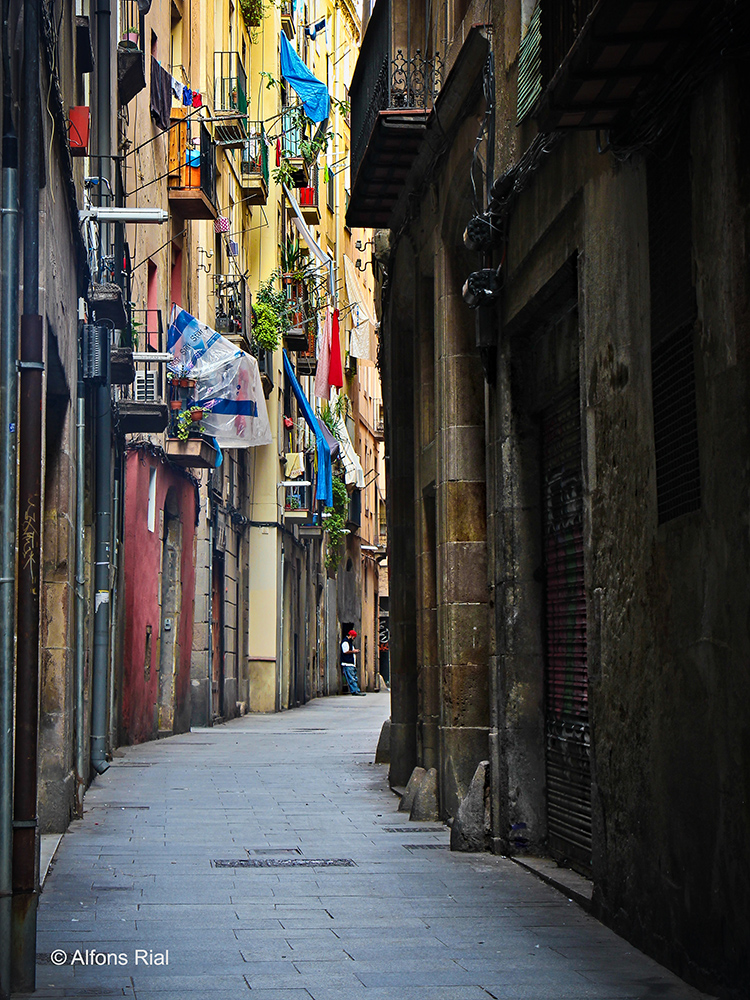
{"x": 155, "y": 216}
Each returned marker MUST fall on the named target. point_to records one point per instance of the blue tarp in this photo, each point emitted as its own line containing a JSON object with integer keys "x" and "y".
{"x": 324, "y": 490}
{"x": 312, "y": 92}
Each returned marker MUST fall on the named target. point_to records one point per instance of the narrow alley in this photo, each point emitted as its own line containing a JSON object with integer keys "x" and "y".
{"x": 266, "y": 858}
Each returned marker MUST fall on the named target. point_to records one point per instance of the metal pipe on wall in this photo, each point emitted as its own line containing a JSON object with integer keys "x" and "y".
{"x": 80, "y": 606}
{"x": 8, "y": 418}
{"x": 103, "y": 424}
{"x": 25, "y": 827}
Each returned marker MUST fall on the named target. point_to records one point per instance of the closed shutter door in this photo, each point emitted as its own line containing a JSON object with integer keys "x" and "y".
{"x": 567, "y": 722}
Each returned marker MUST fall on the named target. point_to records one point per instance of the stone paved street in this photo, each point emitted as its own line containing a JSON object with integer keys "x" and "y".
{"x": 398, "y": 918}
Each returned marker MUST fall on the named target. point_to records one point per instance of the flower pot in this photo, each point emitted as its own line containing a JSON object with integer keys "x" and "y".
{"x": 196, "y": 415}
{"x": 175, "y": 404}
{"x": 131, "y": 36}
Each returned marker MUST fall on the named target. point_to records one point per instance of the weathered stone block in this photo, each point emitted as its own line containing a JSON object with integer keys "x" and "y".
{"x": 471, "y": 826}
{"x": 465, "y": 511}
{"x": 463, "y": 572}
{"x": 383, "y": 752}
{"x": 425, "y": 805}
{"x": 407, "y": 799}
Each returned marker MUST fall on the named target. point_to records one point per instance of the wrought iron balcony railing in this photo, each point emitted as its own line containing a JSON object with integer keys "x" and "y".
{"x": 398, "y": 76}
{"x": 230, "y": 100}
{"x": 191, "y": 181}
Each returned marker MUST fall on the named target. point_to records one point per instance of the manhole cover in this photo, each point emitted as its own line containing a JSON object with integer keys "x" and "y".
{"x": 284, "y": 863}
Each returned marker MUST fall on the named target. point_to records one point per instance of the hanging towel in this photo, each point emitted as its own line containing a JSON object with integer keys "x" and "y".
{"x": 176, "y": 88}
{"x": 312, "y": 92}
{"x": 322, "y": 389}
{"x": 197, "y": 100}
{"x": 161, "y": 95}
{"x": 336, "y": 371}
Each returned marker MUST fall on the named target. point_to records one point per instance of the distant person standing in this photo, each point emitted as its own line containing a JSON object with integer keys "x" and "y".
{"x": 348, "y": 663}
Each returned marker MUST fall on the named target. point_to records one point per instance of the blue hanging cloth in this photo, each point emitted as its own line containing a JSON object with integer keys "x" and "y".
{"x": 312, "y": 92}
{"x": 324, "y": 490}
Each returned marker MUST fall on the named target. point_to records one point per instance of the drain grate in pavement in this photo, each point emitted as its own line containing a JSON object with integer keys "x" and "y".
{"x": 274, "y": 850}
{"x": 427, "y": 847}
{"x": 133, "y": 763}
{"x": 114, "y": 805}
{"x": 284, "y": 863}
{"x": 414, "y": 829}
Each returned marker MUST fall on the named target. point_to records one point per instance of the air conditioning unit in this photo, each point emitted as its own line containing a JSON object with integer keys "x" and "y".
{"x": 94, "y": 353}
{"x": 146, "y": 387}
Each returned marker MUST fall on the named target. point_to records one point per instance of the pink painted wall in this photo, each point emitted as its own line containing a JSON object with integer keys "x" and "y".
{"x": 142, "y": 567}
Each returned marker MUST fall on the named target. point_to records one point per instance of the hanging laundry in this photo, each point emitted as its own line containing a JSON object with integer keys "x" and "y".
{"x": 176, "y": 88}
{"x": 278, "y": 152}
{"x": 161, "y": 95}
{"x": 336, "y": 371}
{"x": 312, "y": 92}
{"x": 322, "y": 389}
{"x": 326, "y": 174}
{"x": 197, "y": 100}
{"x": 312, "y": 29}
{"x": 187, "y": 97}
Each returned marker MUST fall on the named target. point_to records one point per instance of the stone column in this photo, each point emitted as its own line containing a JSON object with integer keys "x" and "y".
{"x": 462, "y": 592}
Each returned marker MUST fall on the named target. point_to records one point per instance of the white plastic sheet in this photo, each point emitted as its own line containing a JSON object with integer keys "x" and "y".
{"x": 228, "y": 385}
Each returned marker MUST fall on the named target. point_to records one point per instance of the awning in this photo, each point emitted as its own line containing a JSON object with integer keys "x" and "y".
{"x": 312, "y": 92}
{"x": 324, "y": 489}
{"x": 364, "y": 324}
{"x": 315, "y": 248}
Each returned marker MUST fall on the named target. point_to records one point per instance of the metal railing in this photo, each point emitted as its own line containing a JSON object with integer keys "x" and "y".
{"x": 560, "y": 26}
{"x": 255, "y": 152}
{"x": 150, "y": 376}
{"x": 230, "y": 83}
{"x": 308, "y": 196}
{"x": 391, "y": 74}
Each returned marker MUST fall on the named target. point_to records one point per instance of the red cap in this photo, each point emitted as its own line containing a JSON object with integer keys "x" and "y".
{"x": 352, "y": 634}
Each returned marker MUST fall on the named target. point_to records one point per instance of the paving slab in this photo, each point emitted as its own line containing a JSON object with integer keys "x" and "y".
{"x": 398, "y": 917}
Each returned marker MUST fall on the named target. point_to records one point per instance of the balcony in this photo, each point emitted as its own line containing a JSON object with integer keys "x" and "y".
{"x": 308, "y": 198}
{"x": 141, "y": 406}
{"x": 298, "y": 503}
{"x": 287, "y": 18}
{"x": 254, "y": 166}
{"x": 294, "y": 136}
{"x": 230, "y": 101}
{"x": 191, "y": 178}
{"x": 587, "y": 62}
{"x": 394, "y": 87}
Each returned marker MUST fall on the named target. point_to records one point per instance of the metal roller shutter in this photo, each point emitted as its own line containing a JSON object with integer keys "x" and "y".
{"x": 567, "y": 723}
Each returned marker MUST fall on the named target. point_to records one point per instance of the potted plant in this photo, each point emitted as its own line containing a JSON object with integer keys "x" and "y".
{"x": 131, "y": 36}
{"x": 188, "y": 422}
{"x": 266, "y": 331}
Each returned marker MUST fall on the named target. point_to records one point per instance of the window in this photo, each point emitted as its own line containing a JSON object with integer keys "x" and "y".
{"x": 673, "y": 312}
{"x": 152, "y": 499}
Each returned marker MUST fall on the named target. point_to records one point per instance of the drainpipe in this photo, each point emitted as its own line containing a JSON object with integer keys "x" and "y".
{"x": 103, "y": 458}
{"x": 80, "y": 607}
{"x": 210, "y": 685}
{"x": 25, "y": 833}
{"x": 8, "y": 415}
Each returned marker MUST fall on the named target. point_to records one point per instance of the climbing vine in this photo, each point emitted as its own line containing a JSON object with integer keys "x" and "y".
{"x": 336, "y": 523}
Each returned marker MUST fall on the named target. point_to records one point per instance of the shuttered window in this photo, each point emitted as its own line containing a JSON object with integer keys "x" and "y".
{"x": 673, "y": 312}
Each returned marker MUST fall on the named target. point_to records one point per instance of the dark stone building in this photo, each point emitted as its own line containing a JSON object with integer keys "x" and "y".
{"x": 567, "y": 461}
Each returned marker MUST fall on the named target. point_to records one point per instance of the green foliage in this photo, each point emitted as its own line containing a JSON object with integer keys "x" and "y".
{"x": 336, "y": 523}
{"x": 266, "y": 331}
{"x": 186, "y": 424}
{"x": 330, "y": 414}
{"x": 290, "y": 256}
{"x": 252, "y": 12}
